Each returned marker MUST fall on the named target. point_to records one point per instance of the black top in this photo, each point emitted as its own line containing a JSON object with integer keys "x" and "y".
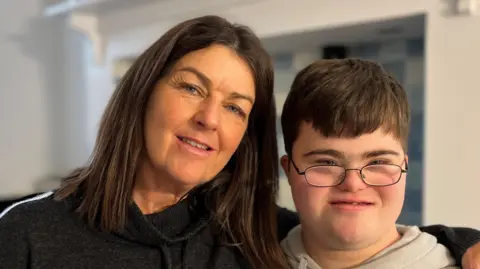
{"x": 43, "y": 233}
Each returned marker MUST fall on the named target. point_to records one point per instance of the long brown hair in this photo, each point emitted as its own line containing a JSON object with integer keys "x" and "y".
{"x": 242, "y": 197}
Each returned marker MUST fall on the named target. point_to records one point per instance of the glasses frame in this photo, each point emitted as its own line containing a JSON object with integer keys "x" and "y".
{"x": 345, "y": 173}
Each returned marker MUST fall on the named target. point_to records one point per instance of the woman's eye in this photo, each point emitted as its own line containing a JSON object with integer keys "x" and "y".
{"x": 236, "y": 110}
{"x": 190, "y": 88}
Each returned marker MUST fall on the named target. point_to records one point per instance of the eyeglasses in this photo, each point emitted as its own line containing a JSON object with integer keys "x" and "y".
{"x": 377, "y": 175}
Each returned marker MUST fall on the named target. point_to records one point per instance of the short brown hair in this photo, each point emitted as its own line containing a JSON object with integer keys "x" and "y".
{"x": 242, "y": 197}
{"x": 345, "y": 98}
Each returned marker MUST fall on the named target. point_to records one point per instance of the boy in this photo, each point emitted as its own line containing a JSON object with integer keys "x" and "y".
{"x": 345, "y": 125}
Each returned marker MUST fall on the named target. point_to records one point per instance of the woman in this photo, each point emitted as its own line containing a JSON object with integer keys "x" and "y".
{"x": 184, "y": 172}
{"x": 189, "y": 125}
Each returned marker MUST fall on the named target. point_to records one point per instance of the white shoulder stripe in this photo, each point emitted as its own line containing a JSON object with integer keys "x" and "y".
{"x": 36, "y": 198}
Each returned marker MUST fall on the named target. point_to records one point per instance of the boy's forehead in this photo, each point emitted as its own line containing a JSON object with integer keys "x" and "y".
{"x": 307, "y": 129}
{"x": 309, "y": 139}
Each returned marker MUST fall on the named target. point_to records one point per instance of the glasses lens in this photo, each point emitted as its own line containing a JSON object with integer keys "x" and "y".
{"x": 324, "y": 176}
{"x": 381, "y": 175}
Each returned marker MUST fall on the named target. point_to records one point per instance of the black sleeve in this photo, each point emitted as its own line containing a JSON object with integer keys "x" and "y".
{"x": 14, "y": 250}
{"x": 286, "y": 220}
{"x": 456, "y": 239}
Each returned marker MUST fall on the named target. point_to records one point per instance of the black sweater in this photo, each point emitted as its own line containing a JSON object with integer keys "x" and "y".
{"x": 43, "y": 233}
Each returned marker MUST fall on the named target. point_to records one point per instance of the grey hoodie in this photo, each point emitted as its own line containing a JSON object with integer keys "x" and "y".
{"x": 414, "y": 250}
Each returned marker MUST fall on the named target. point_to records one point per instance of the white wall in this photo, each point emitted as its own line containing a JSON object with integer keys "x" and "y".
{"x": 41, "y": 98}
{"x": 76, "y": 102}
{"x": 452, "y": 178}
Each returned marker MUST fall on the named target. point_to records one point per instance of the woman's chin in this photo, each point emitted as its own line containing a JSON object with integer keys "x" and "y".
{"x": 189, "y": 178}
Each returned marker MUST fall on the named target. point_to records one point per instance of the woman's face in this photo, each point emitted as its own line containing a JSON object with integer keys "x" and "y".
{"x": 198, "y": 114}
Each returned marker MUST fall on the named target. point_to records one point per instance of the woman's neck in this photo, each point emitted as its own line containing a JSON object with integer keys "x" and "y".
{"x": 351, "y": 257}
{"x": 153, "y": 192}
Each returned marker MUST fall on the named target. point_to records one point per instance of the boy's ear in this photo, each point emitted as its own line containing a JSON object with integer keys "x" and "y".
{"x": 285, "y": 163}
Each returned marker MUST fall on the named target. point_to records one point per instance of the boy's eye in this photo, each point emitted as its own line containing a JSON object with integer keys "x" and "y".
{"x": 326, "y": 162}
{"x": 376, "y": 162}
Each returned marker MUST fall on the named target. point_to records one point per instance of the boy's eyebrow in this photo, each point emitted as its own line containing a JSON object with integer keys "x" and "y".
{"x": 329, "y": 152}
{"x": 380, "y": 152}
{"x": 339, "y": 154}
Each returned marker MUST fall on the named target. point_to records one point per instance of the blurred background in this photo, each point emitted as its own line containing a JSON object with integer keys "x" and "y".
{"x": 62, "y": 59}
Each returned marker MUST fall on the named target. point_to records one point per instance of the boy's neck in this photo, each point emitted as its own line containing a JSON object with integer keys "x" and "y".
{"x": 350, "y": 257}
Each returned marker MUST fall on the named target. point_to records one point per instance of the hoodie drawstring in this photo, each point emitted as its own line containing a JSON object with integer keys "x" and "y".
{"x": 166, "y": 255}
{"x": 303, "y": 263}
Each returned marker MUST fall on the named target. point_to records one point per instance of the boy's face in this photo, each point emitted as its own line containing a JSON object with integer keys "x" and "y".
{"x": 329, "y": 215}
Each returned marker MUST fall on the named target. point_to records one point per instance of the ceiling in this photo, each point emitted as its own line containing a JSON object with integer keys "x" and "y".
{"x": 413, "y": 26}
{"x": 99, "y": 7}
